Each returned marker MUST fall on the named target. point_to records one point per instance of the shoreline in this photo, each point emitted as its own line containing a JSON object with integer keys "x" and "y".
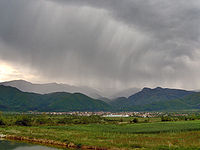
{"x": 52, "y": 143}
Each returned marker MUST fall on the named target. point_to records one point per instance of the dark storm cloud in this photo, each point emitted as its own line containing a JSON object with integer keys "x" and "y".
{"x": 105, "y": 43}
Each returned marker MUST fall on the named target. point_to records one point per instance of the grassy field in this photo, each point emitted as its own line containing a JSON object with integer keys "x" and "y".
{"x": 156, "y": 135}
{"x": 128, "y": 119}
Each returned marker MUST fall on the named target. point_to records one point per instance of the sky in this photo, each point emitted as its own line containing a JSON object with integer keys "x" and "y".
{"x": 105, "y": 44}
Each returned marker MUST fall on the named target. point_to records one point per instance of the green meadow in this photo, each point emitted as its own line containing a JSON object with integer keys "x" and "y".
{"x": 117, "y": 135}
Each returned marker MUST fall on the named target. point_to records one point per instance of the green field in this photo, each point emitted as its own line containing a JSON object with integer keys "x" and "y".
{"x": 156, "y": 135}
{"x": 128, "y": 119}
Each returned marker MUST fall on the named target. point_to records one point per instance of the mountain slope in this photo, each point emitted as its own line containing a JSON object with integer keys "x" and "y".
{"x": 51, "y": 87}
{"x": 12, "y": 99}
{"x": 169, "y": 105}
{"x": 147, "y": 95}
{"x": 193, "y": 99}
{"x": 149, "y": 99}
{"x": 188, "y": 102}
{"x": 63, "y": 101}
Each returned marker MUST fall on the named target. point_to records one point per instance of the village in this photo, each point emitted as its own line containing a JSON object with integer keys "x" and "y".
{"x": 113, "y": 114}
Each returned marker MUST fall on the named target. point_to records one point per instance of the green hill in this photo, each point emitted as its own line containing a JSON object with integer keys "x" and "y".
{"x": 185, "y": 103}
{"x": 65, "y": 101}
{"x": 12, "y": 99}
{"x": 157, "y": 99}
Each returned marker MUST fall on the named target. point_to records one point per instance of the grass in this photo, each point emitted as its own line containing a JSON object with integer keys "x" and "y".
{"x": 128, "y": 119}
{"x": 141, "y": 128}
{"x": 156, "y": 135}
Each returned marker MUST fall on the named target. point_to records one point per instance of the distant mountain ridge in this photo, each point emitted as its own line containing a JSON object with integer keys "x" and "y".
{"x": 12, "y": 99}
{"x": 26, "y": 86}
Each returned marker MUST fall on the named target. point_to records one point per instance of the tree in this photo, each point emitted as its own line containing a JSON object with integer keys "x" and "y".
{"x": 23, "y": 121}
{"x": 135, "y": 120}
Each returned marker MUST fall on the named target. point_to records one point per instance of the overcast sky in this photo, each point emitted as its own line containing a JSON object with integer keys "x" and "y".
{"x": 101, "y": 43}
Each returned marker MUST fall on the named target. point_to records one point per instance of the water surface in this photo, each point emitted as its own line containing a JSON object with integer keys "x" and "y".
{"x": 11, "y": 145}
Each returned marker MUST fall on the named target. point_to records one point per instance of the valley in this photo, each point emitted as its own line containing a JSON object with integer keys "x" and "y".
{"x": 158, "y": 118}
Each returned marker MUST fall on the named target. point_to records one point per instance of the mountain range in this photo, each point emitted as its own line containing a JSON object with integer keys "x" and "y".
{"x": 51, "y": 87}
{"x": 26, "y": 86}
{"x": 156, "y": 99}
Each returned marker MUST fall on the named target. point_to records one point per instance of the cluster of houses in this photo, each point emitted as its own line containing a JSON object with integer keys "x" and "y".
{"x": 106, "y": 114}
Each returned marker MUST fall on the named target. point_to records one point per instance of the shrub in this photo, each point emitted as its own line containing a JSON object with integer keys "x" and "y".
{"x": 166, "y": 118}
{"x": 2, "y": 121}
{"x": 135, "y": 120}
{"x": 23, "y": 121}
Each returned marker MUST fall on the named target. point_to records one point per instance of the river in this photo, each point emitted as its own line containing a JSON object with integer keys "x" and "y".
{"x": 11, "y": 145}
